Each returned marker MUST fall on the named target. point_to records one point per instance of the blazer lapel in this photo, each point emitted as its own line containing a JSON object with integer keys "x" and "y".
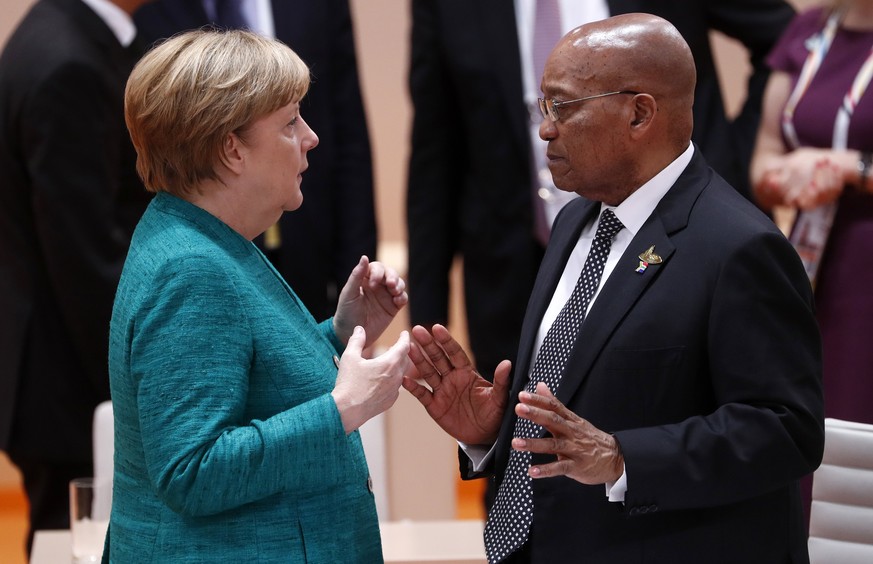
{"x": 625, "y": 286}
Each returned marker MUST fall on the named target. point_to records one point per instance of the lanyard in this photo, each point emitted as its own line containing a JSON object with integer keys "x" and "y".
{"x": 822, "y": 43}
{"x": 812, "y": 228}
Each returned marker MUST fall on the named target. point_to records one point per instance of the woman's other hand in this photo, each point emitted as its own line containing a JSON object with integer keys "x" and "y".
{"x": 371, "y": 298}
{"x": 367, "y": 387}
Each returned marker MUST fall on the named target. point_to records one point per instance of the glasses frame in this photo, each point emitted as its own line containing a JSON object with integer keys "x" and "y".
{"x": 549, "y": 106}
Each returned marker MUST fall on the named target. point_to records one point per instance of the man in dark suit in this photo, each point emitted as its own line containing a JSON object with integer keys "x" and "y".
{"x": 673, "y": 423}
{"x": 471, "y": 172}
{"x": 69, "y": 200}
{"x": 319, "y": 244}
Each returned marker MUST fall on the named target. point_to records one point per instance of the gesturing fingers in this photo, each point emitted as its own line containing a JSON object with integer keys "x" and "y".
{"x": 422, "y": 359}
{"x": 453, "y": 351}
{"x": 584, "y": 452}
{"x": 438, "y": 357}
{"x": 544, "y": 409}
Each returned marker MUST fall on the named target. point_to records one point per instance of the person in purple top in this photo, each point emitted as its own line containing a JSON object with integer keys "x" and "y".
{"x": 813, "y": 155}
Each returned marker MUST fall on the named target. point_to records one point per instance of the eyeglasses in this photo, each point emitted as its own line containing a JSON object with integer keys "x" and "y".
{"x": 549, "y": 107}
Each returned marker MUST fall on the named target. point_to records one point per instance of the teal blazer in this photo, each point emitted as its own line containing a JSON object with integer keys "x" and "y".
{"x": 228, "y": 445}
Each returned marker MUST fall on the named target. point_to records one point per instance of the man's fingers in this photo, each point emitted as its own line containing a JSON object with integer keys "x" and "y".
{"x": 438, "y": 357}
{"x": 422, "y": 394}
{"x": 544, "y": 399}
{"x": 544, "y": 445}
{"x": 455, "y": 354}
{"x": 426, "y": 370}
{"x": 550, "y": 470}
{"x": 550, "y": 414}
{"x": 501, "y": 383}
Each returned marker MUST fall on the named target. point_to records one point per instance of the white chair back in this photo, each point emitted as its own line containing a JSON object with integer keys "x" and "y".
{"x": 103, "y": 437}
{"x": 841, "y": 518}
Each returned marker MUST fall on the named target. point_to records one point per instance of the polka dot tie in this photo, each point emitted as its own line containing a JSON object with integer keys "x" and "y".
{"x": 510, "y": 518}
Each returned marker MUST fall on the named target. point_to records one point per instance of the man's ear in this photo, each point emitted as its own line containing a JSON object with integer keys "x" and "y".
{"x": 233, "y": 152}
{"x": 644, "y": 110}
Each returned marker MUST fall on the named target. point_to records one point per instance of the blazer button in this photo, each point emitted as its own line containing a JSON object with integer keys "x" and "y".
{"x": 370, "y": 484}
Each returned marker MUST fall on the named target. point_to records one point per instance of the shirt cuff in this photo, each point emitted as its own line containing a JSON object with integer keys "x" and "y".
{"x": 616, "y": 490}
{"x": 479, "y": 455}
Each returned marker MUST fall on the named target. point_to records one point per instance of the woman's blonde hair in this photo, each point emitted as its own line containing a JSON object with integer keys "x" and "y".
{"x": 190, "y": 92}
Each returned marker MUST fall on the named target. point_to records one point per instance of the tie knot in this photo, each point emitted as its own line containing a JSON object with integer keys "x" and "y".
{"x": 609, "y": 225}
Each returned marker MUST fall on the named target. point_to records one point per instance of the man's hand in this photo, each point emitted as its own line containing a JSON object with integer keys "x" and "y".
{"x": 585, "y": 453}
{"x": 466, "y": 405}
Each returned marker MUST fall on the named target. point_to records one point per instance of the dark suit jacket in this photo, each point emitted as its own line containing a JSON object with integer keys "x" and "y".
{"x": 470, "y": 176}
{"x": 323, "y": 240}
{"x": 706, "y": 368}
{"x": 69, "y": 200}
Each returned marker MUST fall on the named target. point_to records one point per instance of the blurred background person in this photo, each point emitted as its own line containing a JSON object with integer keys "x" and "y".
{"x": 478, "y": 186}
{"x": 315, "y": 248}
{"x": 69, "y": 201}
{"x": 813, "y": 155}
{"x": 236, "y": 422}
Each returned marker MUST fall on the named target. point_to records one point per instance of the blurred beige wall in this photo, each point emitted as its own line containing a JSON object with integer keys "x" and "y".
{"x": 421, "y": 459}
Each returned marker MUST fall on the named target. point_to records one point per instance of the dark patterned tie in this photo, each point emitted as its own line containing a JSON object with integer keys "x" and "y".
{"x": 510, "y": 519}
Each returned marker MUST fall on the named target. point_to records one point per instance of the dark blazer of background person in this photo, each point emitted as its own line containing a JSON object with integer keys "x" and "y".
{"x": 470, "y": 177}
{"x": 326, "y": 237}
{"x": 69, "y": 200}
{"x": 706, "y": 368}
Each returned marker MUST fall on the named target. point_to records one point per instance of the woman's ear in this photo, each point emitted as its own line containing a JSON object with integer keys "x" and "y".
{"x": 233, "y": 152}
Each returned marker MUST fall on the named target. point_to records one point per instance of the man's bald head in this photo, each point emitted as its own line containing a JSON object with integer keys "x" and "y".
{"x": 639, "y": 52}
{"x": 606, "y": 147}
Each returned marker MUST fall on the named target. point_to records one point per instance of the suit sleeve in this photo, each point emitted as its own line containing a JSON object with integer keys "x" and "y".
{"x": 433, "y": 194}
{"x": 764, "y": 369}
{"x": 190, "y": 355}
{"x": 758, "y": 25}
{"x": 73, "y": 157}
{"x": 356, "y": 216}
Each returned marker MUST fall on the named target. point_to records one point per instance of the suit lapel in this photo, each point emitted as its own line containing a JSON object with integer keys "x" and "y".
{"x": 625, "y": 286}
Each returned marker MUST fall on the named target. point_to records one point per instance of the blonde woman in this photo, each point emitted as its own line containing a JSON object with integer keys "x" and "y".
{"x": 236, "y": 419}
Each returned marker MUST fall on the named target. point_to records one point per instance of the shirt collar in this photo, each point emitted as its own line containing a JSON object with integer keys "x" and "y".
{"x": 636, "y": 208}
